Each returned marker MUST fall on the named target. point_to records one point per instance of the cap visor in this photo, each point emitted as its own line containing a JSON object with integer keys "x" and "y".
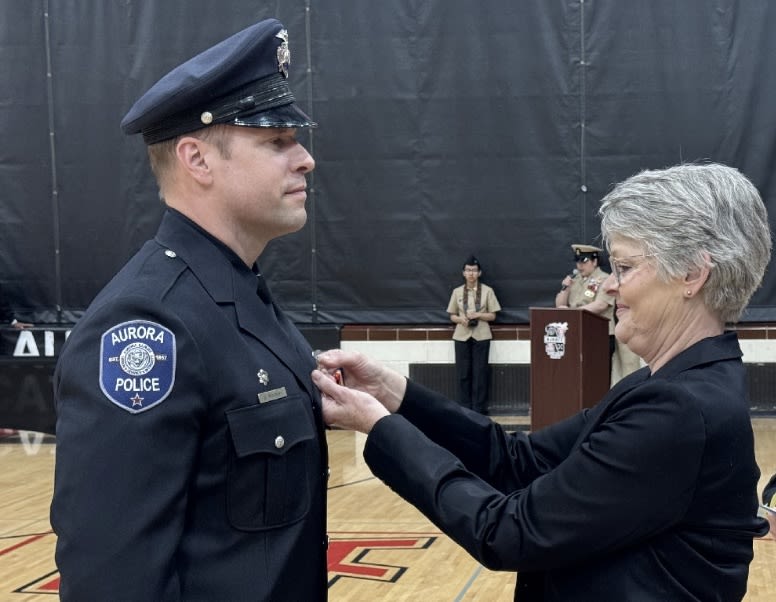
{"x": 287, "y": 116}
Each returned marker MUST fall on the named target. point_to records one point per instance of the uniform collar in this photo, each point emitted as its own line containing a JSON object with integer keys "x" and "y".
{"x": 211, "y": 263}
{"x": 228, "y": 280}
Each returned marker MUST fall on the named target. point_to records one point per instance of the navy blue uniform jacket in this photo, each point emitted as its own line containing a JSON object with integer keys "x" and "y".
{"x": 650, "y": 495}
{"x": 209, "y": 494}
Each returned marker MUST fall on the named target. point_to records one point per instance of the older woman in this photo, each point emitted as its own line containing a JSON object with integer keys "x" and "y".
{"x": 650, "y": 495}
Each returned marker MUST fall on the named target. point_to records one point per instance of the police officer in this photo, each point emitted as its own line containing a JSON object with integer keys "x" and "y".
{"x": 191, "y": 458}
{"x": 584, "y": 288}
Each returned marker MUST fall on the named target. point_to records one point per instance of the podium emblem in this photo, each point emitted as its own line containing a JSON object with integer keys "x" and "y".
{"x": 555, "y": 339}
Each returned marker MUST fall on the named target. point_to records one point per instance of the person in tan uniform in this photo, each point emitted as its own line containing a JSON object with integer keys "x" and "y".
{"x": 472, "y": 306}
{"x": 584, "y": 289}
{"x": 624, "y": 361}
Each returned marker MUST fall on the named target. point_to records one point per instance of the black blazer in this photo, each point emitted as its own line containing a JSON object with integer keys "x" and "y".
{"x": 210, "y": 492}
{"x": 650, "y": 495}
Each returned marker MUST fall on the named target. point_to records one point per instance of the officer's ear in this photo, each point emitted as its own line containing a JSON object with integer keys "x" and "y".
{"x": 191, "y": 154}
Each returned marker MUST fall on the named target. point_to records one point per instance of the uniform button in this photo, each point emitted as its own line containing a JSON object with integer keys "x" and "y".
{"x": 279, "y": 442}
{"x": 328, "y": 472}
{"x": 170, "y": 253}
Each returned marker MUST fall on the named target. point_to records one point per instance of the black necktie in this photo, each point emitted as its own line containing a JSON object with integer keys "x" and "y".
{"x": 262, "y": 290}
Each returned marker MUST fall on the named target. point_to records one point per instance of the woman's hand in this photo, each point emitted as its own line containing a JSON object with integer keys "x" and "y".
{"x": 347, "y": 408}
{"x": 363, "y": 374}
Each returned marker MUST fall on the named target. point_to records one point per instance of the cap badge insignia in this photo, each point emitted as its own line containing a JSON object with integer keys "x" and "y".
{"x": 284, "y": 53}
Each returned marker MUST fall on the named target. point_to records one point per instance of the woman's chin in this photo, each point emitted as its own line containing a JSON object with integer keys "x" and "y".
{"x": 622, "y": 333}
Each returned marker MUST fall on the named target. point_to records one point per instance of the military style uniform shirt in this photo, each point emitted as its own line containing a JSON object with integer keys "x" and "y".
{"x": 191, "y": 456}
{"x": 633, "y": 499}
{"x": 585, "y": 290}
{"x": 488, "y": 303}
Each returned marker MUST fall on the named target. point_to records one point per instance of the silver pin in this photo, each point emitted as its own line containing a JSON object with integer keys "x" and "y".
{"x": 263, "y": 376}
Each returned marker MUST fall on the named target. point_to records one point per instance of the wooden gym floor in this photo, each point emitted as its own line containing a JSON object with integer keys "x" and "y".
{"x": 381, "y": 548}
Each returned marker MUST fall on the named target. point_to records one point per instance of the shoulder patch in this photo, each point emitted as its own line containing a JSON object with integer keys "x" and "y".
{"x": 137, "y": 364}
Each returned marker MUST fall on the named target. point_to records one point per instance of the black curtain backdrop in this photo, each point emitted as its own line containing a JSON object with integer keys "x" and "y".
{"x": 448, "y": 127}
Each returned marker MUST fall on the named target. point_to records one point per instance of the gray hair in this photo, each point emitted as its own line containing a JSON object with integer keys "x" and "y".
{"x": 683, "y": 212}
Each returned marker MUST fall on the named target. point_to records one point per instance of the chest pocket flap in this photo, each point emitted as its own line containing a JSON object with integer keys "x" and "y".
{"x": 270, "y": 428}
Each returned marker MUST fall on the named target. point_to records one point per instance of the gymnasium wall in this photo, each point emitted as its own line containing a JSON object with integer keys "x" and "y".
{"x": 447, "y": 127}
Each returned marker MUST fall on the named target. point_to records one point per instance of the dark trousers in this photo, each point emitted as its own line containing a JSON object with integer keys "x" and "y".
{"x": 471, "y": 362}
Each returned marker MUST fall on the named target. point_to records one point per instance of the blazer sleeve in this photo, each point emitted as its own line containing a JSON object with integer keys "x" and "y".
{"x": 505, "y": 460}
{"x": 625, "y": 480}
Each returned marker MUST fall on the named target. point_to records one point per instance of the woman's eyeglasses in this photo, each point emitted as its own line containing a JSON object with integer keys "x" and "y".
{"x": 621, "y": 266}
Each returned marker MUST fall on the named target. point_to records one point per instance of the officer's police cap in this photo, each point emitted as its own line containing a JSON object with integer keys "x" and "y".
{"x": 242, "y": 80}
{"x": 582, "y": 252}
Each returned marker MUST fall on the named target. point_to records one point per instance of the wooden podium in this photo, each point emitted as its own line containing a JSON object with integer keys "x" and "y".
{"x": 569, "y": 363}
